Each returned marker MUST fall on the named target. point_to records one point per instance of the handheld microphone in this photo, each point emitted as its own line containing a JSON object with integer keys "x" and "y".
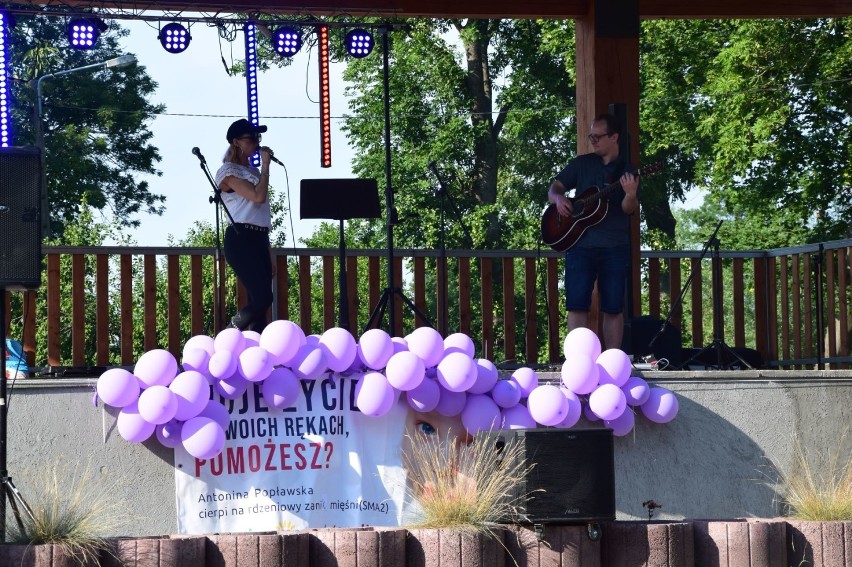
{"x": 197, "y": 153}
{"x": 272, "y": 156}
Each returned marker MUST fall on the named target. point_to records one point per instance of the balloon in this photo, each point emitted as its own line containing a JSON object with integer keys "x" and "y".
{"x": 312, "y": 340}
{"x": 232, "y": 388}
{"x": 580, "y": 374}
{"x": 223, "y": 364}
{"x": 196, "y": 359}
{"x": 450, "y": 403}
{"x": 157, "y": 405}
{"x": 547, "y": 405}
{"x": 202, "y": 437}
{"x": 589, "y": 414}
{"x": 399, "y": 344}
{"x": 156, "y": 368}
{"x": 282, "y": 339}
{"x": 527, "y": 379}
{"x": 426, "y": 343}
{"x": 457, "y": 372}
{"x": 168, "y": 434}
{"x": 132, "y": 426}
{"x": 309, "y": 362}
{"x": 191, "y": 391}
{"x": 623, "y": 424}
{"x": 607, "y": 401}
{"x": 636, "y": 390}
{"x": 339, "y": 348}
{"x": 230, "y": 340}
{"x": 375, "y": 348}
{"x": 405, "y": 371}
{"x": 661, "y": 407}
{"x": 575, "y": 409}
{"x": 281, "y": 389}
{"x": 254, "y": 364}
{"x": 459, "y": 342}
{"x": 614, "y": 367}
{"x": 373, "y": 394}
{"x": 486, "y": 376}
{"x": 480, "y": 413}
{"x": 202, "y": 342}
{"x": 425, "y": 396}
{"x": 518, "y": 417}
{"x": 252, "y": 339}
{"x": 118, "y": 387}
{"x": 506, "y": 393}
{"x": 581, "y": 341}
{"x": 217, "y": 412}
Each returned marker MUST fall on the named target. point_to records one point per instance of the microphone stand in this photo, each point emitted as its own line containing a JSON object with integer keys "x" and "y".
{"x": 442, "y": 258}
{"x": 218, "y": 282}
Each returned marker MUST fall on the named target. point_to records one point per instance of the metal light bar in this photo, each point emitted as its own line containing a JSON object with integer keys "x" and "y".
{"x": 250, "y": 32}
{"x": 5, "y": 87}
{"x": 325, "y": 98}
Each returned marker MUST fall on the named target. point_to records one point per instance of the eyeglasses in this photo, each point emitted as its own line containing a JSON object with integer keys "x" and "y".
{"x": 595, "y": 139}
{"x": 255, "y": 137}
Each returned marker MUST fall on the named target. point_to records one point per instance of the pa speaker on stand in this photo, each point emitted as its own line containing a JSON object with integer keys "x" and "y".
{"x": 20, "y": 218}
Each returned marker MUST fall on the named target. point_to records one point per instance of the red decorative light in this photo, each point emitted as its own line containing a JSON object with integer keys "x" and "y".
{"x": 325, "y": 98}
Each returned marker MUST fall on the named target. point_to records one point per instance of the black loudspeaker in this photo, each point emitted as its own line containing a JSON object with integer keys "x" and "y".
{"x": 20, "y": 218}
{"x": 572, "y": 478}
{"x": 640, "y": 331}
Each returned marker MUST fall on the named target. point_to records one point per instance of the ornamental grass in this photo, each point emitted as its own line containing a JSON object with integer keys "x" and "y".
{"x": 819, "y": 486}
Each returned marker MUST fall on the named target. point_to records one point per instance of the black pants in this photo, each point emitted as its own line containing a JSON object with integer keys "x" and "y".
{"x": 248, "y": 255}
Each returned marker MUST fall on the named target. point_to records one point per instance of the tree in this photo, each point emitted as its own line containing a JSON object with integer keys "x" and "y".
{"x": 95, "y": 122}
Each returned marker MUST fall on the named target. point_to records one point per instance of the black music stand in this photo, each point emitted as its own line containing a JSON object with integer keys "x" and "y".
{"x": 340, "y": 199}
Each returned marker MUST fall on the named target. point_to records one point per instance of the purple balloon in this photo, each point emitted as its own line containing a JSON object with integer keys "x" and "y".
{"x": 312, "y": 340}
{"x": 614, "y": 367}
{"x": 480, "y": 413}
{"x": 202, "y": 342}
{"x": 457, "y": 372}
{"x": 282, "y": 339}
{"x": 607, "y": 401}
{"x": 230, "y": 340}
{"x": 309, "y": 363}
{"x": 575, "y": 409}
{"x": 486, "y": 376}
{"x": 518, "y": 417}
{"x": 375, "y": 348}
{"x": 217, "y": 412}
{"x": 661, "y": 407}
{"x": 232, "y": 388}
{"x": 425, "y": 396}
{"x": 399, "y": 344}
{"x": 118, "y": 387}
{"x": 198, "y": 360}
{"x": 158, "y": 405}
{"x": 636, "y": 390}
{"x": 202, "y": 437}
{"x": 580, "y": 374}
{"x": 252, "y": 339}
{"x": 156, "y": 368}
{"x": 339, "y": 348}
{"x": 547, "y": 405}
{"x": 223, "y": 364}
{"x": 527, "y": 379}
{"x": 255, "y": 364}
{"x": 192, "y": 391}
{"x": 506, "y": 393}
{"x": 459, "y": 342}
{"x": 132, "y": 426}
{"x": 589, "y": 414}
{"x": 581, "y": 341}
{"x": 168, "y": 434}
{"x": 623, "y": 424}
{"x": 405, "y": 371}
{"x": 374, "y": 395}
{"x": 281, "y": 389}
{"x": 426, "y": 343}
{"x": 451, "y": 403}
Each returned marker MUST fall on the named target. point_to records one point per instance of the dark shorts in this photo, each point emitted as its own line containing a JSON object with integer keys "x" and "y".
{"x": 607, "y": 265}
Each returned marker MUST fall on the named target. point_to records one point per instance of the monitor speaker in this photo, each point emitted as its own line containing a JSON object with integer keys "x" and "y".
{"x": 20, "y": 218}
{"x": 640, "y": 331}
{"x": 571, "y": 474}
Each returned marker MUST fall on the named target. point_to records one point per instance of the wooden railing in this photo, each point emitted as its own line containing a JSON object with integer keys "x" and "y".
{"x": 107, "y": 305}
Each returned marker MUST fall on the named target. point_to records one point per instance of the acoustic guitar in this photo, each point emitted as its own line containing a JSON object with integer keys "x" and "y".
{"x": 589, "y": 208}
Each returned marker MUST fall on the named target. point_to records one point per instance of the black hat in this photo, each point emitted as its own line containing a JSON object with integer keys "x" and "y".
{"x": 242, "y": 127}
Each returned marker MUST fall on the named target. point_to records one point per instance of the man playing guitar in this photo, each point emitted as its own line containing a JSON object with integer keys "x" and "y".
{"x": 601, "y": 251}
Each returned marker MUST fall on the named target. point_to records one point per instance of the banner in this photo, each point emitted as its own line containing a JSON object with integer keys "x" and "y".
{"x": 321, "y": 463}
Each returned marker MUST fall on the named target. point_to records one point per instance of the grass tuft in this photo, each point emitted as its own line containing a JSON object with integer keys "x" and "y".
{"x": 818, "y": 492}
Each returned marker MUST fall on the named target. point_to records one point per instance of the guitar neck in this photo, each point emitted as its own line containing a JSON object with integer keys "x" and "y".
{"x": 612, "y": 187}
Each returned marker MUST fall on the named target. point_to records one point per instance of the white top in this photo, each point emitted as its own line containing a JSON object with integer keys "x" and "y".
{"x": 241, "y": 209}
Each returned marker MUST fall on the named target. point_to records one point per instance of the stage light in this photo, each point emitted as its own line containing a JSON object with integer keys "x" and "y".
{"x": 83, "y": 33}
{"x": 5, "y": 118}
{"x": 250, "y": 33}
{"x": 287, "y": 41}
{"x": 325, "y": 98}
{"x": 174, "y": 37}
{"x": 359, "y": 43}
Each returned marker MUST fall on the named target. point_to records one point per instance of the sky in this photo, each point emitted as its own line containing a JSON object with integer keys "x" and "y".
{"x": 201, "y": 102}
